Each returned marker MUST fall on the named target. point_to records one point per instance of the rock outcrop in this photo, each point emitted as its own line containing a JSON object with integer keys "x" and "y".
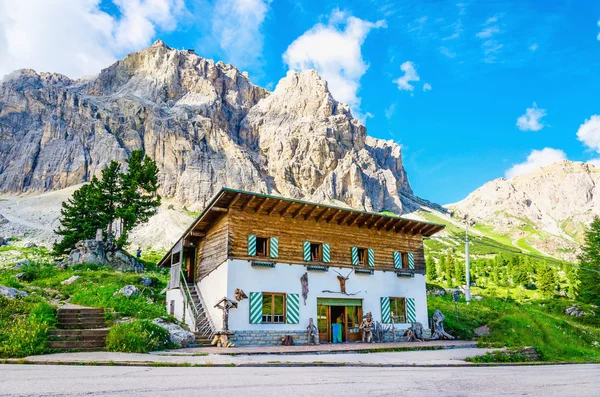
{"x": 204, "y": 123}
{"x": 177, "y": 334}
{"x": 549, "y": 208}
{"x": 93, "y": 252}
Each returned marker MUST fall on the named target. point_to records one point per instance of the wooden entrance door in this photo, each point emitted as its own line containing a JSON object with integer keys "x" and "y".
{"x": 351, "y": 318}
{"x": 189, "y": 260}
{"x": 324, "y": 323}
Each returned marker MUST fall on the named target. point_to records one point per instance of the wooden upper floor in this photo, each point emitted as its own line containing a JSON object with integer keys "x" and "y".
{"x": 262, "y": 228}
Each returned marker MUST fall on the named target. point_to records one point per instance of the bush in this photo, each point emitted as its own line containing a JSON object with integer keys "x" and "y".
{"x": 140, "y": 336}
{"x": 21, "y": 334}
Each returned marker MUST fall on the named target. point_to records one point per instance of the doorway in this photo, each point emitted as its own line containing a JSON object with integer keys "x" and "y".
{"x": 345, "y": 312}
{"x": 189, "y": 264}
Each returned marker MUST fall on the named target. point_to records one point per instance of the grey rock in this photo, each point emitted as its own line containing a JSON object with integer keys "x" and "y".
{"x": 482, "y": 331}
{"x": 3, "y": 221}
{"x": 128, "y": 291}
{"x": 93, "y": 252}
{"x": 575, "y": 311}
{"x": 177, "y": 334}
{"x": 70, "y": 280}
{"x": 477, "y": 298}
{"x": 29, "y": 244}
{"x": 11, "y": 293}
{"x": 21, "y": 264}
{"x": 147, "y": 281}
{"x": 20, "y": 276}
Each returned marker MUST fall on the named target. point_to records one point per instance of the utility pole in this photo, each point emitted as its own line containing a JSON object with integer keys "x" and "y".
{"x": 467, "y": 262}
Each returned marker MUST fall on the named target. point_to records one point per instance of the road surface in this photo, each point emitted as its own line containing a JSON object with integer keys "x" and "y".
{"x": 47, "y": 380}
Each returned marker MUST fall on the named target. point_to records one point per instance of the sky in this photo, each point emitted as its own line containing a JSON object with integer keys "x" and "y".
{"x": 471, "y": 90}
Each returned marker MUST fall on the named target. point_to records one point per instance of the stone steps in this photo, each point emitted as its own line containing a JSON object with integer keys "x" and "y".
{"x": 80, "y": 329}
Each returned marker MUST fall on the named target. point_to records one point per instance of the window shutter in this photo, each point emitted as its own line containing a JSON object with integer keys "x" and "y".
{"x": 397, "y": 260}
{"x": 307, "y": 251}
{"x": 371, "y": 258}
{"x": 411, "y": 310}
{"x": 411, "y": 260}
{"x": 274, "y": 247}
{"x": 385, "y": 309}
{"x": 354, "y": 255}
{"x": 326, "y": 253}
{"x": 251, "y": 245}
{"x": 292, "y": 308}
{"x": 256, "y": 307}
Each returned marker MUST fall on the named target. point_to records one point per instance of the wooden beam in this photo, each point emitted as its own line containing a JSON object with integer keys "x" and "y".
{"x": 234, "y": 200}
{"x": 318, "y": 218}
{"x": 333, "y": 216}
{"x": 354, "y": 220}
{"x": 385, "y": 223}
{"x": 366, "y": 220}
{"x": 393, "y": 224}
{"x": 287, "y": 208}
{"x": 261, "y": 205}
{"x": 412, "y": 229}
{"x": 309, "y": 213}
{"x": 274, "y": 206}
{"x": 376, "y": 221}
{"x": 248, "y": 203}
{"x": 428, "y": 228}
{"x": 197, "y": 234}
{"x": 219, "y": 209}
{"x": 343, "y": 218}
{"x": 404, "y": 227}
{"x": 299, "y": 211}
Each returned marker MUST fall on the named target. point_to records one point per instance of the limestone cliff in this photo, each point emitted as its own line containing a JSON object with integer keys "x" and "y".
{"x": 204, "y": 123}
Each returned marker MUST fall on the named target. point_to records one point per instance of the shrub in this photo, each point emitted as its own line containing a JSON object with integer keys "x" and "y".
{"x": 25, "y": 335}
{"x": 140, "y": 336}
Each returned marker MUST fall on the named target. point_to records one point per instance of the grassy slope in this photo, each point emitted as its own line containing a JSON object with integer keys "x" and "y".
{"x": 541, "y": 324}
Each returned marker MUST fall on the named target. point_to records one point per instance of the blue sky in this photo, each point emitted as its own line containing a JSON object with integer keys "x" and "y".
{"x": 500, "y": 83}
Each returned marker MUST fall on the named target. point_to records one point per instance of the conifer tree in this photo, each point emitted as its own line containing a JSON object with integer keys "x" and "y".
{"x": 460, "y": 272}
{"x": 450, "y": 268}
{"x": 546, "y": 281}
{"x": 430, "y": 269}
{"x": 589, "y": 260}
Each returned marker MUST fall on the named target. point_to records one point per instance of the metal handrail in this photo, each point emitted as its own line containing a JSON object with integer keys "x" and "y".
{"x": 188, "y": 298}
{"x": 205, "y": 326}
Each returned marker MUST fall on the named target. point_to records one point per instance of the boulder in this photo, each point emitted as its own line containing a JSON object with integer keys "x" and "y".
{"x": 147, "y": 281}
{"x": 20, "y": 276}
{"x": 70, "y": 280}
{"x": 3, "y": 220}
{"x": 11, "y": 293}
{"x": 21, "y": 264}
{"x": 128, "y": 291}
{"x": 482, "y": 331}
{"x": 29, "y": 244}
{"x": 177, "y": 334}
{"x": 574, "y": 311}
{"x": 434, "y": 290}
{"x": 94, "y": 252}
{"x": 477, "y": 298}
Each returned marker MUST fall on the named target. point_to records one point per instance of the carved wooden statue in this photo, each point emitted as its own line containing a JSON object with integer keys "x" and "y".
{"x": 414, "y": 333}
{"x": 226, "y": 304}
{"x": 438, "y": 327}
{"x": 312, "y": 333}
{"x": 240, "y": 294}
{"x": 304, "y": 282}
{"x": 367, "y": 327}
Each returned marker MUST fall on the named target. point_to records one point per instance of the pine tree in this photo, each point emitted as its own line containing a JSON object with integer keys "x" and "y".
{"x": 546, "y": 281}
{"x": 589, "y": 260}
{"x": 430, "y": 269}
{"x": 460, "y": 272}
{"x": 450, "y": 268}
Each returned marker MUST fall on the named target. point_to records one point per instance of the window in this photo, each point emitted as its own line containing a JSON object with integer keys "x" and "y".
{"x": 362, "y": 256}
{"x": 273, "y": 308}
{"x": 316, "y": 252}
{"x": 398, "y": 309}
{"x": 262, "y": 246}
{"x": 404, "y": 260}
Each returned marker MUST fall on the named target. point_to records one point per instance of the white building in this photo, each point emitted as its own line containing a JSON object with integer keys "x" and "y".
{"x": 275, "y": 249}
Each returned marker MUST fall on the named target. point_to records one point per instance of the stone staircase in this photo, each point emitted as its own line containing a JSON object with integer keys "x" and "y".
{"x": 204, "y": 329}
{"x": 81, "y": 329}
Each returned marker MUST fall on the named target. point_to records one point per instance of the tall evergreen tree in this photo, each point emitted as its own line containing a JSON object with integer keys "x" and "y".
{"x": 589, "y": 260}
{"x": 449, "y": 274}
{"x": 546, "y": 281}
{"x": 460, "y": 272}
{"x": 431, "y": 274}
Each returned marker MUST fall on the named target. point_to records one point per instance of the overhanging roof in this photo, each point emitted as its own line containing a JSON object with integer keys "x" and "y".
{"x": 231, "y": 199}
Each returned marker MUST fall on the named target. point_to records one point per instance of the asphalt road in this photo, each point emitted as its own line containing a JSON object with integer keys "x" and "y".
{"x": 45, "y": 380}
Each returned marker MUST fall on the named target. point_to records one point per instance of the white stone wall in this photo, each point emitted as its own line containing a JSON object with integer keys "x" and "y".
{"x": 213, "y": 288}
{"x": 286, "y": 278}
{"x": 177, "y": 296}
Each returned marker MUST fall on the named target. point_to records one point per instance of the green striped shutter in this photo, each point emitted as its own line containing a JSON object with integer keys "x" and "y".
{"x": 411, "y": 260}
{"x": 256, "y": 307}
{"x": 371, "y": 258}
{"x": 251, "y": 245}
{"x": 411, "y": 310}
{"x": 326, "y": 253}
{"x": 307, "y": 251}
{"x": 385, "y": 310}
{"x": 292, "y": 308}
{"x": 274, "y": 247}
{"x": 397, "y": 260}
{"x": 354, "y": 255}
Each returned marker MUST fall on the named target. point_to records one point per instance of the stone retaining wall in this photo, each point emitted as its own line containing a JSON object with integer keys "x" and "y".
{"x": 267, "y": 337}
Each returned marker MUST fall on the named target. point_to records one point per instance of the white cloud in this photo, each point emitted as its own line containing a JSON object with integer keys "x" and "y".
{"x": 390, "y": 111}
{"x": 488, "y": 32}
{"x": 490, "y": 45}
{"x": 594, "y": 162}
{"x": 532, "y": 119}
{"x": 410, "y": 74}
{"x": 536, "y": 160}
{"x": 237, "y": 27}
{"x": 77, "y": 38}
{"x": 534, "y": 47}
{"x": 598, "y": 37}
{"x": 589, "y": 133}
{"x": 427, "y": 87}
{"x": 334, "y": 50}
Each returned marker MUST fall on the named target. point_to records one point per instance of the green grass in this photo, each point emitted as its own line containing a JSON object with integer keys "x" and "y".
{"x": 541, "y": 324}
{"x": 140, "y": 336}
